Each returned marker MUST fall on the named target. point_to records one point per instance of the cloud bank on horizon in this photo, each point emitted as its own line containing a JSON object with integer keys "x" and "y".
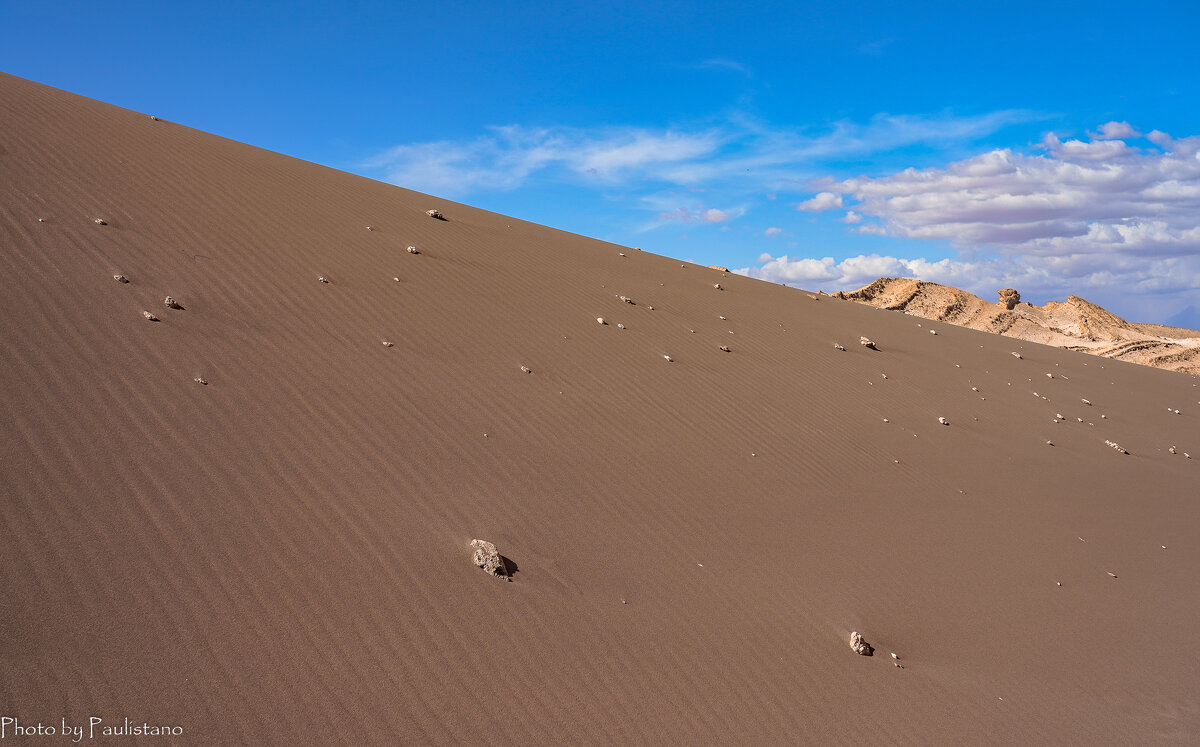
{"x": 1083, "y": 214}
{"x": 1115, "y": 211}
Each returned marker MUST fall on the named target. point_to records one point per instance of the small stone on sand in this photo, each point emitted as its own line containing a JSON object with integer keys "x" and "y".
{"x": 526, "y": 369}
{"x": 725, "y": 348}
{"x": 435, "y": 214}
{"x": 413, "y": 250}
{"x": 488, "y": 558}
{"x": 101, "y": 222}
{"x": 867, "y": 343}
{"x": 149, "y": 316}
{"x": 323, "y": 279}
{"x": 668, "y": 359}
{"x": 171, "y": 303}
{"x": 600, "y": 320}
{"x": 120, "y": 278}
{"x": 201, "y": 381}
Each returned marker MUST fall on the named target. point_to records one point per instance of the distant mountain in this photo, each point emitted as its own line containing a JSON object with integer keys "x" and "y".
{"x": 1075, "y": 324}
{"x": 1188, "y": 318}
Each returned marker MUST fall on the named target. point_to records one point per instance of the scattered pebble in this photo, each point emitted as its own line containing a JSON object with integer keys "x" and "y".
{"x": 943, "y": 421}
{"x": 1111, "y": 574}
{"x": 171, "y": 303}
{"x": 627, "y": 300}
{"x": 526, "y": 369}
{"x": 933, "y": 331}
{"x": 396, "y": 279}
{"x": 435, "y": 214}
{"x": 721, "y": 318}
{"x": 120, "y": 278}
{"x": 1016, "y": 355}
{"x": 1049, "y": 443}
{"x": 413, "y": 250}
{"x": 387, "y": 344}
{"x": 600, "y": 321}
{"x": 1116, "y": 446}
{"x": 1049, "y": 376}
{"x": 838, "y": 347}
{"x": 725, "y": 348}
{"x": 867, "y": 343}
{"x": 1171, "y": 449}
{"x": 149, "y": 316}
{"x": 718, "y": 286}
{"x": 101, "y": 222}
{"x": 370, "y": 229}
{"x": 620, "y": 326}
{"x": 201, "y": 381}
{"x": 323, "y": 279}
{"x": 1086, "y": 402}
{"x": 668, "y": 359}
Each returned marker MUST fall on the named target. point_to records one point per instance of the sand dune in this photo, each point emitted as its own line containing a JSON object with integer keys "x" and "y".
{"x": 283, "y": 554}
{"x": 1074, "y": 324}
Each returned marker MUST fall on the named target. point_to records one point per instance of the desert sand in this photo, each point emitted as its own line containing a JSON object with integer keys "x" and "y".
{"x": 253, "y": 517}
{"x": 1075, "y": 323}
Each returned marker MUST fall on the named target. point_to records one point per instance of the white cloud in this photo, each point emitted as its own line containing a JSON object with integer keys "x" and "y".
{"x": 724, "y": 64}
{"x": 773, "y": 231}
{"x": 741, "y": 152}
{"x": 851, "y": 217}
{"x": 1114, "y": 130}
{"x": 823, "y": 201}
{"x": 696, "y": 215}
{"x": 1078, "y": 197}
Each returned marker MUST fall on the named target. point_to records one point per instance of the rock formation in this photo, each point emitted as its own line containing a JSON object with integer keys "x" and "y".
{"x": 1075, "y": 324}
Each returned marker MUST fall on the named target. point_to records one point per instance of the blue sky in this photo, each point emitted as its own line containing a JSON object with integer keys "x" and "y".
{"x": 1047, "y": 146}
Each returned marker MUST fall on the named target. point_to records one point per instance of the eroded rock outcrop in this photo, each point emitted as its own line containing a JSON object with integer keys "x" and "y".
{"x": 1009, "y": 298}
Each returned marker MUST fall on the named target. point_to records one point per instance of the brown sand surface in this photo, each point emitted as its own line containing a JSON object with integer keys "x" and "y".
{"x": 1075, "y": 324}
{"x": 283, "y": 555}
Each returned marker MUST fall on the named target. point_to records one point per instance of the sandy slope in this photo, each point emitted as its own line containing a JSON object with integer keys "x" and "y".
{"x": 1075, "y": 324}
{"x": 281, "y": 556}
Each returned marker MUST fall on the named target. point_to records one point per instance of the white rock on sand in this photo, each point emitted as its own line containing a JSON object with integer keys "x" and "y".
{"x": 488, "y": 558}
{"x": 860, "y": 646}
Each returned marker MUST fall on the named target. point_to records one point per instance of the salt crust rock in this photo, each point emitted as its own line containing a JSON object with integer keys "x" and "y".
{"x": 488, "y": 558}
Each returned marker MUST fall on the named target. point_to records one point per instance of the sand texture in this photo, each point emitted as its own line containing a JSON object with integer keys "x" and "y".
{"x": 1075, "y": 324}
{"x": 253, "y": 517}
